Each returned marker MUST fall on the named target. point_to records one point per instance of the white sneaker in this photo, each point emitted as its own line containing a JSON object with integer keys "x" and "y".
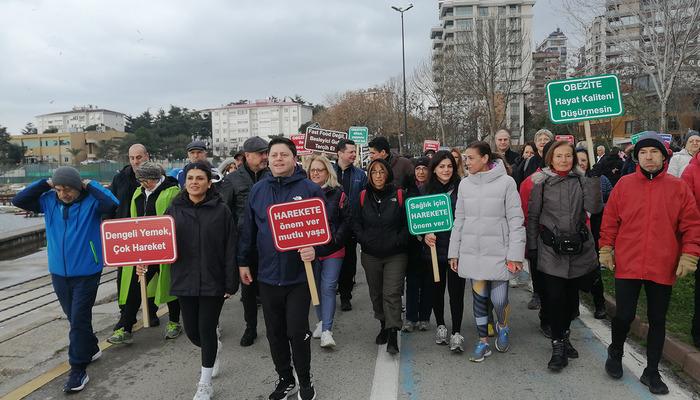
{"x": 317, "y": 331}
{"x": 441, "y": 335}
{"x": 327, "y": 340}
{"x": 457, "y": 343}
{"x": 96, "y": 356}
{"x": 204, "y": 391}
{"x": 217, "y": 364}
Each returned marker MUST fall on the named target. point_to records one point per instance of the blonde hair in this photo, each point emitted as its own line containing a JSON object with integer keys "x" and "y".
{"x": 332, "y": 181}
{"x": 459, "y": 160}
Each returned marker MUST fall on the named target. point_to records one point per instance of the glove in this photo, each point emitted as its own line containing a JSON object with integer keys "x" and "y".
{"x": 606, "y": 257}
{"x": 687, "y": 264}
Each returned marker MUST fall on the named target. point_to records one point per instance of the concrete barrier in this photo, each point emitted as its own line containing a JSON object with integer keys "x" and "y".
{"x": 22, "y": 242}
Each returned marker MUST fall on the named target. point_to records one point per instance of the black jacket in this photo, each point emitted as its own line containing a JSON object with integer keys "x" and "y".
{"x": 526, "y": 168}
{"x": 512, "y": 158}
{"x": 610, "y": 166}
{"x": 339, "y": 213}
{"x": 442, "y": 239}
{"x": 234, "y": 189}
{"x": 123, "y": 186}
{"x": 380, "y": 222}
{"x": 206, "y": 246}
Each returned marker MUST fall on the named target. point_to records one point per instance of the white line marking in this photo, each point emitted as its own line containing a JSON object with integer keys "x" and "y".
{"x": 385, "y": 384}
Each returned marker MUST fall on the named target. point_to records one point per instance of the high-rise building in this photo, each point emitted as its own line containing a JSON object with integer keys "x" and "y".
{"x": 549, "y": 62}
{"x": 80, "y": 118}
{"x": 512, "y": 22}
{"x": 233, "y": 124}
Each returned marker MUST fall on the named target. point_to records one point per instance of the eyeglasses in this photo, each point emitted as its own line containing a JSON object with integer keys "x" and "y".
{"x": 144, "y": 180}
{"x": 317, "y": 170}
{"x": 378, "y": 172}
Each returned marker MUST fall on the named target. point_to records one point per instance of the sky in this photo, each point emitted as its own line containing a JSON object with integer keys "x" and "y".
{"x": 133, "y": 55}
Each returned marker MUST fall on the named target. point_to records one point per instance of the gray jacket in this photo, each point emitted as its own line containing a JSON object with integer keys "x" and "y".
{"x": 562, "y": 209}
{"x": 488, "y": 228}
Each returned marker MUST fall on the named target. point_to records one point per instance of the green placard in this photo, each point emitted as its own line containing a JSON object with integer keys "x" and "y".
{"x": 429, "y": 214}
{"x": 581, "y": 99}
{"x": 358, "y": 134}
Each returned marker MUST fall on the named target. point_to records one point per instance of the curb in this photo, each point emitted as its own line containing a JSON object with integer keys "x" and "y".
{"x": 683, "y": 355}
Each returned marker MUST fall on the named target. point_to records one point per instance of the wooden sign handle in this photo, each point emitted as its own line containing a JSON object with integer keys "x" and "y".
{"x": 589, "y": 143}
{"x": 144, "y": 302}
{"x": 312, "y": 283}
{"x": 433, "y": 256}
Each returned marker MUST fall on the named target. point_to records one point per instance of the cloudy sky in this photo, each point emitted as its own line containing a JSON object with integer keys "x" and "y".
{"x": 131, "y": 55}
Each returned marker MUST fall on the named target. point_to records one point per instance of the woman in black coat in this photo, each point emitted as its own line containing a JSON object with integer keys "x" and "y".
{"x": 205, "y": 273}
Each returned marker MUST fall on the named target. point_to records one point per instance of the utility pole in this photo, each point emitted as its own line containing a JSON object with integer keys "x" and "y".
{"x": 403, "y": 58}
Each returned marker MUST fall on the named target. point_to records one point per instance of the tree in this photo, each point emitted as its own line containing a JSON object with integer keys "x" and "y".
{"x": 654, "y": 38}
{"x": 9, "y": 153}
{"x": 107, "y": 149}
{"x": 29, "y": 129}
{"x": 74, "y": 153}
{"x": 490, "y": 63}
{"x": 90, "y": 128}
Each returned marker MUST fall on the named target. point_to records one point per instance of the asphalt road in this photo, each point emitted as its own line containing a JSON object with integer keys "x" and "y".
{"x": 152, "y": 368}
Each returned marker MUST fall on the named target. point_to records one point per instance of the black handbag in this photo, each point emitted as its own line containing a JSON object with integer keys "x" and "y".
{"x": 564, "y": 244}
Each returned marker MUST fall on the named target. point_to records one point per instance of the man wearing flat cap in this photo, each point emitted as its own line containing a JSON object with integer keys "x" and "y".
{"x": 238, "y": 185}
{"x": 73, "y": 211}
{"x": 196, "y": 152}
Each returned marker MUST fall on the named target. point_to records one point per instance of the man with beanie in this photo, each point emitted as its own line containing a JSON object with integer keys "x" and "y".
{"x": 284, "y": 290}
{"x": 400, "y": 166}
{"x": 73, "y": 211}
{"x": 152, "y": 198}
{"x": 650, "y": 235}
{"x": 235, "y": 189}
{"x": 680, "y": 160}
{"x": 353, "y": 180}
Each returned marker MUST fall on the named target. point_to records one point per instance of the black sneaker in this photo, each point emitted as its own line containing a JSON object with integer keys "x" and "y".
{"x": 613, "y": 365}
{"x": 345, "y": 305}
{"x": 248, "y": 337}
{"x": 570, "y": 351}
{"x": 600, "y": 313}
{"x": 306, "y": 392}
{"x": 285, "y": 387}
{"x": 652, "y": 380}
{"x": 77, "y": 379}
{"x": 382, "y": 336}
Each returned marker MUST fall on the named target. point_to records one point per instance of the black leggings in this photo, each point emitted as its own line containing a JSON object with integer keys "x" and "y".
{"x": 455, "y": 289}
{"x": 128, "y": 310}
{"x": 658, "y": 298}
{"x": 538, "y": 288}
{"x": 561, "y": 299}
{"x": 200, "y": 315}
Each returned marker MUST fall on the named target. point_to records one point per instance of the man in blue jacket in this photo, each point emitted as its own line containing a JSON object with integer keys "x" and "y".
{"x": 354, "y": 181}
{"x": 284, "y": 291}
{"x": 73, "y": 211}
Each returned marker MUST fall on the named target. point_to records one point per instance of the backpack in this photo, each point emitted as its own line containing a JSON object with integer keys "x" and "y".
{"x": 399, "y": 197}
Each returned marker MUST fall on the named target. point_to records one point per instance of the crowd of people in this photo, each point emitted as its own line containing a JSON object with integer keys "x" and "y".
{"x": 546, "y": 209}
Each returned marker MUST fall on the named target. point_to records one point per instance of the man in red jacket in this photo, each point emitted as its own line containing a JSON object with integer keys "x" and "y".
{"x": 652, "y": 223}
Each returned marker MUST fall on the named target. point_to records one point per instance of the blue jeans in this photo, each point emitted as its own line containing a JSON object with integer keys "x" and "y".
{"x": 77, "y": 296}
{"x": 326, "y": 274}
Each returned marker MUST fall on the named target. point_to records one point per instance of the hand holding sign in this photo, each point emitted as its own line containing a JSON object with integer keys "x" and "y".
{"x": 300, "y": 225}
{"x": 427, "y": 215}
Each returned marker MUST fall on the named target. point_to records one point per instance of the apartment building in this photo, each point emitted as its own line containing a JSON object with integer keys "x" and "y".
{"x": 79, "y": 118}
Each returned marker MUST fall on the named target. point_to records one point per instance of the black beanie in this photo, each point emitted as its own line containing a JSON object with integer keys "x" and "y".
{"x": 650, "y": 139}
{"x": 422, "y": 161}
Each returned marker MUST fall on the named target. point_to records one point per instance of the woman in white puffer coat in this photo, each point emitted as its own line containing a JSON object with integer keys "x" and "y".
{"x": 487, "y": 243}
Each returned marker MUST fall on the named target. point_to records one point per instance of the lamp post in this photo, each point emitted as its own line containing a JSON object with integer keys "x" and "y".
{"x": 403, "y": 58}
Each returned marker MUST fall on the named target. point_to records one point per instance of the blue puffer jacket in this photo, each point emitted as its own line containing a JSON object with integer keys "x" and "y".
{"x": 72, "y": 231}
{"x": 274, "y": 267}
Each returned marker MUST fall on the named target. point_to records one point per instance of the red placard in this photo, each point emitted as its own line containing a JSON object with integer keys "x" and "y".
{"x": 431, "y": 145}
{"x": 565, "y": 138}
{"x": 298, "y": 224}
{"x": 299, "y": 143}
{"x": 139, "y": 241}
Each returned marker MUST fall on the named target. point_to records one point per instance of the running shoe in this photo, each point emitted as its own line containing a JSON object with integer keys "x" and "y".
{"x": 481, "y": 351}
{"x": 204, "y": 391}
{"x": 457, "y": 343}
{"x": 318, "y": 331}
{"x": 120, "y": 336}
{"x": 327, "y": 341}
{"x": 306, "y": 392}
{"x": 173, "y": 330}
{"x": 441, "y": 335}
{"x": 502, "y": 341}
{"x": 77, "y": 379}
{"x": 285, "y": 387}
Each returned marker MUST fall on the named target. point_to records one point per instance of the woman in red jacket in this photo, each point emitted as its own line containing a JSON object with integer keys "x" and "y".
{"x": 652, "y": 223}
